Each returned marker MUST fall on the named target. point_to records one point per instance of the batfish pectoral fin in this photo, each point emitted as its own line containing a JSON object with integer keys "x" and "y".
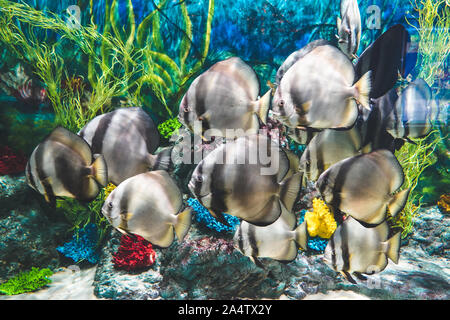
{"x": 398, "y": 201}
{"x": 183, "y": 224}
{"x": 290, "y": 189}
{"x": 99, "y": 170}
{"x": 392, "y": 247}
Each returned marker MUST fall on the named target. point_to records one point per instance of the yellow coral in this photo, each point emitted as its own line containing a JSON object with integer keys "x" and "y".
{"x": 320, "y": 221}
{"x": 108, "y": 189}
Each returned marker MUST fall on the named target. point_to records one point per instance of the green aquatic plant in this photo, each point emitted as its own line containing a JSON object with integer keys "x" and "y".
{"x": 26, "y": 281}
{"x": 80, "y": 215}
{"x": 414, "y": 159}
{"x": 128, "y": 61}
{"x": 433, "y": 17}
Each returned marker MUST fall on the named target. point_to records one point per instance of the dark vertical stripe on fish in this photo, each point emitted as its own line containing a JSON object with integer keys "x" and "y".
{"x": 252, "y": 240}
{"x": 198, "y": 183}
{"x": 333, "y": 254}
{"x": 39, "y": 160}
{"x": 64, "y": 171}
{"x": 30, "y": 176}
{"x": 241, "y": 240}
{"x": 218, "y": 205}
{"x": 344, "y": 248}
{"x": 340, "y": 180}
{"x": 100, "y": 131}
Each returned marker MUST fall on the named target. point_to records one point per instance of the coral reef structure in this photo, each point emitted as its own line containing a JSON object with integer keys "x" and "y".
{"x": 203, "y": 216}
{"x": 27, "y": 281}
{"x": 83, "y": 245}
{"x": 320, "y": 221}
{"x": 134, "y": 253}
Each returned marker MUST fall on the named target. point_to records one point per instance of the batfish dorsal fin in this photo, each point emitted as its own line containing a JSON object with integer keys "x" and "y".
{"x": 72, "y": 141}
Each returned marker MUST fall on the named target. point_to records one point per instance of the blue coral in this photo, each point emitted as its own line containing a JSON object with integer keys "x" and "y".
{"x": 203, "y": 216}
{"x": 83, "y": 245}
{"x": 316, "y": 244}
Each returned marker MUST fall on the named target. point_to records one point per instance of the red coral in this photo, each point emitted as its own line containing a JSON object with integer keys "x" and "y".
{"x": 11, "y": 162}
{"x": 134, "y": 253}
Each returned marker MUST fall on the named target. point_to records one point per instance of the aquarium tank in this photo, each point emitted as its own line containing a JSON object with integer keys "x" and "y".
{"x": 224, "y": 150}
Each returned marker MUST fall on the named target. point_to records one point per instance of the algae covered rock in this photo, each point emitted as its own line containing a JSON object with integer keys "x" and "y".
{"x": 29, "y": 230}
{"x": 207, "y": 266}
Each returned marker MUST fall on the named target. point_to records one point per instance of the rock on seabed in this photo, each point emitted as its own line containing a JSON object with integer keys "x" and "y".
{"x": 206, "y": 266}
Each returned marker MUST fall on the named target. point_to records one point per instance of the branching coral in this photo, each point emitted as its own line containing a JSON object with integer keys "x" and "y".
{"x": 83, "y": 245}
{"x": 134, "y": 253}
{"x": 27, "y": 281}
{"x": 203, "y": 216}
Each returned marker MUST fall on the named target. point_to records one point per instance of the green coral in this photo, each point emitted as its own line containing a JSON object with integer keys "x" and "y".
{"x": 26, "y": 281}
{"x": 169, "y": 127}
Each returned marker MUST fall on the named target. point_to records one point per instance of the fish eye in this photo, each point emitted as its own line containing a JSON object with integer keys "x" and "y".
{"x": 199, "y": 178}
{"x": 281, "y": 103}
{"x": 186, "y": 108}
{"x": 110, "y": 205}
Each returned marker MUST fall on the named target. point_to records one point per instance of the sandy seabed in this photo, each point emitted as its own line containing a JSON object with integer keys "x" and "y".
{"x": 77, "y": 285}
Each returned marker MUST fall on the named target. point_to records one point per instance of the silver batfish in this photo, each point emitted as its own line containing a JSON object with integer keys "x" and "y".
{"x": 349, "y": 28}
{"x": 356, "y": 249}
{"x": 364, "y": 186}
{"x": 250, "y": 178}
{"x": 64, "y": 166}
{"x": 225, "y": 97}
{"x": 126, "y": 138}
{"x": 278, "y": 241}
{"x": 150, "y": 205}
{"x": 318, "y": 91}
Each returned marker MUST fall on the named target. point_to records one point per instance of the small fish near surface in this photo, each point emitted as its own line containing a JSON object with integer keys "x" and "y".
{"x": 363, "y": 186}
{"x": 279, "y": 240}
{"x": 250, "y": 178}
{"x": 412, "y": 114}
{"x": 327, "y": 148}
{"x": 349, "y": 28}
{"x": 64, "y": 166}
{"x": 126, "y": 138}
{"x": 225, "y": 97}
{"x": 355, "y": 249}
{"x": 318, "y": 91}
{"x": 150, "y": 205}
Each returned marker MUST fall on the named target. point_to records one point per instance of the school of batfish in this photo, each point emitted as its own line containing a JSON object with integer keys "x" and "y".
{"x": 344, "y": 108}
